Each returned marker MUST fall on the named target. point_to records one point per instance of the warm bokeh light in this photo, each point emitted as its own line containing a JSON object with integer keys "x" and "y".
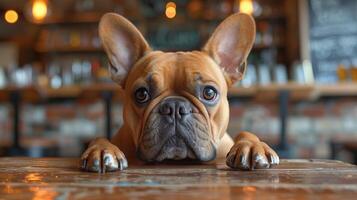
{"x": 33, "y": 177}
{"x": 170, "y": 11}
{"x": 39, "y": 9}
{"x": 43, "y": 193}
{"x": 11, "y": 16}
{"x": 246, "y": 6}
{"x": 249, "y": 189}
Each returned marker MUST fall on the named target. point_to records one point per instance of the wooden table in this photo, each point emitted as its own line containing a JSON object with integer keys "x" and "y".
{"x": 59, "y": 178}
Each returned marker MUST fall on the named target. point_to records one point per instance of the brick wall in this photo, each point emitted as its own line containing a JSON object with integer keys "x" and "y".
{"x": 311, "y": 125}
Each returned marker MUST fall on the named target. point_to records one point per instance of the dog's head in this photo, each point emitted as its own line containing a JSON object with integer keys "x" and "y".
{"x": 176, "y": 103}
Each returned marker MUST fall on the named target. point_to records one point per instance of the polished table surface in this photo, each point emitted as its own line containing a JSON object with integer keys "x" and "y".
{"x": 60, "y": 178}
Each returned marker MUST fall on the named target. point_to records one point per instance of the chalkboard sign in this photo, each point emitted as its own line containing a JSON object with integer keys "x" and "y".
{"x": 333, "y": 36}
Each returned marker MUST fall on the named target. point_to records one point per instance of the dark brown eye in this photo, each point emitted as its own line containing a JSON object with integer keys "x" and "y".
{"x": 142, "y": 95}
{"x": 209, "y": 93}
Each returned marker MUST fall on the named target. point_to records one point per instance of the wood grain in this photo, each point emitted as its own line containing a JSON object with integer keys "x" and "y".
{"x": 59, "y": 178}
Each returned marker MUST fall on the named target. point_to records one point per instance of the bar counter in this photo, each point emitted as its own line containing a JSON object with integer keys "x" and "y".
{"x": 60, "y": 178}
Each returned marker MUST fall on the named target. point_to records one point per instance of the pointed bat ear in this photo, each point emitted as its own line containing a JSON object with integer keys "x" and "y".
{"x": 123, "y": 44}
{"x": 230, "y": 44}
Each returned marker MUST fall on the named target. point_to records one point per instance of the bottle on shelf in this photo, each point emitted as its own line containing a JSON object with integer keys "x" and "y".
{"x": 342, "y": 73}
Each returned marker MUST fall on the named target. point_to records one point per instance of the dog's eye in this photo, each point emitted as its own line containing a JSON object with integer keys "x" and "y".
{"x": 142, "y": 95}
{"x": 209, "y": 93}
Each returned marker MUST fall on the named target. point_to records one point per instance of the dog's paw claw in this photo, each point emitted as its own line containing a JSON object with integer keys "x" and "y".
{"x": 99, "y": 159}
{"x": 246, "y": 155}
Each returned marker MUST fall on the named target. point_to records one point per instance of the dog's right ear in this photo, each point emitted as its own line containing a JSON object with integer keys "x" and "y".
{"x": 123, "y": 43}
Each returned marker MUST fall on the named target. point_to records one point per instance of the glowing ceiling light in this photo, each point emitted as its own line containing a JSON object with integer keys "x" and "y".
{"x": 246, "y": 6}
{"x": 11, "y": 16}
{"x": 170, "y": 10}
{"x": 39, "y": 9}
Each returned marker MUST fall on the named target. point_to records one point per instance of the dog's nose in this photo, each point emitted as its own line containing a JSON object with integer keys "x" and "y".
{"x": 175, "y": 107}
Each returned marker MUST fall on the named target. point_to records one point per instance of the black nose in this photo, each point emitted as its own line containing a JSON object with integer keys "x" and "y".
{"x": 175, "y": 107}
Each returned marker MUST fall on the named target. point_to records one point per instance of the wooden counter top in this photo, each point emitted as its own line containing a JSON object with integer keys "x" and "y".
{"x": 59, "y": 178}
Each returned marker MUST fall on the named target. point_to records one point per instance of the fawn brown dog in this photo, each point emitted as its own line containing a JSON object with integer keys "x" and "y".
{"x": 175, "y": 104}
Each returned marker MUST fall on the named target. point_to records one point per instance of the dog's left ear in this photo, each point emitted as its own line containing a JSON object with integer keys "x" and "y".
{"x": 230, "y": 45}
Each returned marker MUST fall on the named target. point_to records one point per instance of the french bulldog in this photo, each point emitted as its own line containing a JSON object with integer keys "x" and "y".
{"x": 175, "y": 104}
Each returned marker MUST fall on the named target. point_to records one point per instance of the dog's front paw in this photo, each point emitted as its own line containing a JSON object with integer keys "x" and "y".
{"x": 103, "y": 158}
{"x": 248, "y": 155}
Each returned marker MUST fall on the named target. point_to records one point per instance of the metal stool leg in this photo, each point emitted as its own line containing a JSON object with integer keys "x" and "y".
{"x": 107, "y": 96}
{"x": 15, "y": 149}
{"x": 283, "y": 110}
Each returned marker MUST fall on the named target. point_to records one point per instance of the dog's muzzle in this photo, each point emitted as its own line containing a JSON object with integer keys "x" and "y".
{"x": 176, "y": 130}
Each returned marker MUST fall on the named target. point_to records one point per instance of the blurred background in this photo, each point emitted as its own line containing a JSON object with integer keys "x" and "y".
{"x": 299, "y": 93}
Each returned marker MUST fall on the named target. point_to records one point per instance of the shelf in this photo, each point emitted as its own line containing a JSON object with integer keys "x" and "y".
{"x": 272, "y": 46}
{"x": 276, "y": 17}
{"x": 342, "y": 89}
{"x": 76, "y": 18}
{"x": 70, "y": 50}
{"x": 242, "y": 91}
{"x": 279, "y": 17}
{"x": 100, "y": 50}
{"x": 269, "y": 92}
{"x": 297, "y": 91}
{"x": 37, "y": 93}
{"x": 63, "y": 92}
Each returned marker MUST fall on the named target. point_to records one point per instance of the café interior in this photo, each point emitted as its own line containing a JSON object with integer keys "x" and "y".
{"x": 298, "y": 94}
